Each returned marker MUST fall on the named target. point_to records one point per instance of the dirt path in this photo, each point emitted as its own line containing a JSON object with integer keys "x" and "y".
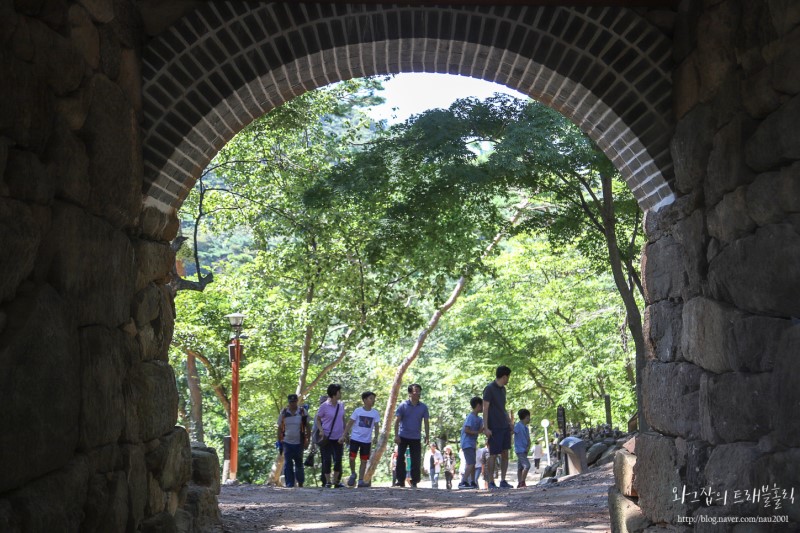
{"x": 577, "y": 503}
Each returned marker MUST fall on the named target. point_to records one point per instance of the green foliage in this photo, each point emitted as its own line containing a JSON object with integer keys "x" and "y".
{"x": 316, "y": 221}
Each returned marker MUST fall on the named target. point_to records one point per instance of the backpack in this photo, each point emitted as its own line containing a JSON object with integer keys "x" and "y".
{"x": 303, "y": 422}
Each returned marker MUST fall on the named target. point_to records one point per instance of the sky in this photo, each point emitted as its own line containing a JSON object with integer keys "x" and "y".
{"x": 414, "y": 93}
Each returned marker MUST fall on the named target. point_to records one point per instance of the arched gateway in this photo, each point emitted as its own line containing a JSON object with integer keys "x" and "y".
{"x": 223, "y": 65}
{"x": 107, "y": 118}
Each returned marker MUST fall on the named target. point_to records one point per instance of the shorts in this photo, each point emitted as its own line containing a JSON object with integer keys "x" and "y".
{"x": 469, "y": 455}
{"x": 500, "y": 441}
{"x": 523, "y": 462}
{"x": 364, "y": 448}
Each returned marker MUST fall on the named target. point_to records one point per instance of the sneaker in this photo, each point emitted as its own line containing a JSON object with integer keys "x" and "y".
{"x": 363, "y": 484}
{"x": 351, "y": 481}
{"x": 473, "y": 485}
{"x": 491, "y": 486}
{"x": 463, "y": 486}
{"x": 338, "y": 486}
{"x": 328, "y": 486}
{"x": 505, "y": 485}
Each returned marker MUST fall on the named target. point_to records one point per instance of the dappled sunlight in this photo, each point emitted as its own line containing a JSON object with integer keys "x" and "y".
{"x": 577, "y": 505}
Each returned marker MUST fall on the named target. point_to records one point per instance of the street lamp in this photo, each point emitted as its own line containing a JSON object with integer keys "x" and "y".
{"x": 546, "y": 423}
{"x": 236, "y": 320}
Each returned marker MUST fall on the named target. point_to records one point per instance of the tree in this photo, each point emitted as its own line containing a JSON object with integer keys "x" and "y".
{"x": 453, "y": 166}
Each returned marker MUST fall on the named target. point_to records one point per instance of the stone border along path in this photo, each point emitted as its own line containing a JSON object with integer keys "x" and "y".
{"x": 575, "y": 503}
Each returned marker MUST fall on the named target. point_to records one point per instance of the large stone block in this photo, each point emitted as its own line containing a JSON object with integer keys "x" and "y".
{"x": 720, "y": 338}
{"x": 663, "y": 326}
{"x": 161, "y": 523}
{"x": 20, "y": 237}
{"x": 111, "y": 133}
{"x": 158, "y": 225}
{"x": 626, "y": 516}
{"x": 788, "y": 191}
{"x": 154, "y": 337}
{"x": 26, "y": 106}
{"x": 28, "y": 178}
{"x": 781, "y": 470}
{"x": 691, "y": 147}
{"x": 107, "y": 504}
{"x": 39, "y": 387}
{"x": 716, "y": 59}
{"x": 707, "y": 329}
{"x": 135, "y": 469}
{"x": 728, "y": 220}
{"x": 786, "y": 75}
{"x": 171, "y": 462}
{"x": 624, "y": 461}
{"x": 110, "y": 51}
{"x": 693, "y": 457}
{"x": 777, "y": 139}
{"x": 152, "y": 399}
{"x": 786, "y": 388}
{"x": 732, "y": 467}
{"x": 105, "y": 358}
{"x": 91, "y": 264}
{"x": 146, "y": 305}
{"x": 690, "y": 233}
{"x": 761, "y": 198}
{"x": 733, "y": 406}
{"x": 84, "y": 36}
{"x": 726, "y": 166}
{"x": 66, "y": 154}
{"x": 154, "y": 262}
{"x": 662, "y": 270}
{"x": 55, "y": 501}
{"x": 759, "y": 273}
{"x": 100, "y": 10}
{"x": 759, "y": 97}
{"x": 202, "y": 505}
{"x": 658, "y": 478}
{"x": 54, "y": 58}
{"x": 205, "y": 467}
{"x": 671, "y": 398}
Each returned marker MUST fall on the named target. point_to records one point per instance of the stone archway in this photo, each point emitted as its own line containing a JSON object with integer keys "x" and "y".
{"x": 88, "y": 439}
{"x": 223, "y": 65}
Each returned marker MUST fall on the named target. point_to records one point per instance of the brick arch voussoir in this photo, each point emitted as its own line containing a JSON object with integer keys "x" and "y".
{"x": 228, "y": 63}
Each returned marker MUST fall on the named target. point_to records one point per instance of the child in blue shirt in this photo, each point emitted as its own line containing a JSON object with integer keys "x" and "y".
{"x": 469, "y": 442}
{"x": 522, "y": 444}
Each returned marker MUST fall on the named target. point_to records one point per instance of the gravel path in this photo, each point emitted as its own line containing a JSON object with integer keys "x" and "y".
{"x": 575, "y": 503}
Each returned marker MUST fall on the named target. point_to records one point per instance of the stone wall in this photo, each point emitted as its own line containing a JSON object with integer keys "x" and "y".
{"x": 722, "y": 270}
{"x": 88, "y": 439}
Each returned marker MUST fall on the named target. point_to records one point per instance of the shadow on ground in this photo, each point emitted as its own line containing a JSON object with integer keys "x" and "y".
{"x": 577, "y": 503}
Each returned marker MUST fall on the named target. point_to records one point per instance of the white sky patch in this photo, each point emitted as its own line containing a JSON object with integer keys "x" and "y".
{"x": 414, "y": 93}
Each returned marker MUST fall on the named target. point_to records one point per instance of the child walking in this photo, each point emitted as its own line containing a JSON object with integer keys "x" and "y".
{"x": 522, "y": 444}
{"x": 363, "y": 420}
{"x": 469, "y": 442}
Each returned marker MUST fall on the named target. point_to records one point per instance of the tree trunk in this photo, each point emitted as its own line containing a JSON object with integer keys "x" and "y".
{"x": 196, "y": 399}
{"x": 277, "y": 466}
{"x": 305, "y": 351}
{"x": 626, "y": 292}
{"x": 388, "y": 415}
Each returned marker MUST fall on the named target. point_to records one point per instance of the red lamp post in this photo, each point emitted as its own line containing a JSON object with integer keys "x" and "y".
{"x": 236, "y": 320}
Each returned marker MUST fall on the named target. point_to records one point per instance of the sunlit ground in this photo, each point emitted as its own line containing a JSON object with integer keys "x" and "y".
{"x": 578, "y": 504}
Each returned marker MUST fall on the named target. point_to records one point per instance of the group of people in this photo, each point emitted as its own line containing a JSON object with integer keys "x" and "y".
{"x": 330, "y": 432}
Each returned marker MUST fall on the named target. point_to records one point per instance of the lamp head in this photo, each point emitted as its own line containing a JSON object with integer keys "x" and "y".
{"x": 236, "y": 320}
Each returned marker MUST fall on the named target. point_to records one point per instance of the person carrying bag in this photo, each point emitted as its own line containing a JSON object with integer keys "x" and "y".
{"x": 331, "y": 415}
